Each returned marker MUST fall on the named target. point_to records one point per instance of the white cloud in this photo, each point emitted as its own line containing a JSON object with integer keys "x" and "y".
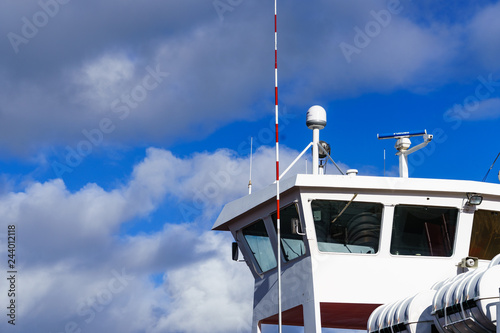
{"x": 473, "y": 109}
{"x": 217, "y": 70}
{"x": 380, "y": 57}
{"x": 103, "y": 80}
{"x": 76, "y": 271}
{"x": 204, "y": 181}
{"x": 65, "y": 79}
{"x": 218, "y": 298}
{"x": 482, "y": 41}
{"x": 486, "y": 109}
{"x": 118, "y": 296}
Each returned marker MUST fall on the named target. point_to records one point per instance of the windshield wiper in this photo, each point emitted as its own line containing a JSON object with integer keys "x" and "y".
{"x": 343, "y": 209}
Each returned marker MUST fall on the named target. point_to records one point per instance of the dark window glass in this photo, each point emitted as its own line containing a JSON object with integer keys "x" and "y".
{"x": 347, "y": 227}
{"x": 485, "y": 238}
{"x": 425, "y": 231}
{"x": 292, "y": 244}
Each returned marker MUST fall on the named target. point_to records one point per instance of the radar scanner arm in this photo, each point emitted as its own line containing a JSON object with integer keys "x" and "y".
{"x": 403, "y": 147}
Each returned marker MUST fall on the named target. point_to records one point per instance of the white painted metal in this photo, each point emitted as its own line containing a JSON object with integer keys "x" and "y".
{"x": 316, "y": 117}
{"x": 402, "y": 146}
{"x": 413, "y": 313}
{"x": 352, "y": 172}
{"x": 382, "y": 185}
{"x": 349, "y": 278}
{"x": 315, "y": 151}
{"x": 278, "y": 222}
{"x": 295, "y": 161}
{"x": 467, "y": 301}
{"x": 251, "y": 160}
{"x": 316, "y": 120}
{"x": 463, "y": 303}
{"x": 353, "y": 278}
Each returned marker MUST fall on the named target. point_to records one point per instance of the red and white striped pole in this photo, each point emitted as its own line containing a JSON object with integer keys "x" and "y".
{"x": 278, "y": 222}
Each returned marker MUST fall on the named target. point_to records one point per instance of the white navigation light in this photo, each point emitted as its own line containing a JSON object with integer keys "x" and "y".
{"x": 316, "y": 117}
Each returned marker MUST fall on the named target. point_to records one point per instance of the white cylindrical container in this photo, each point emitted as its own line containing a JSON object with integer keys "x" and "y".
{"x": 468, "y": 302}
{"x": 412, "y": 315}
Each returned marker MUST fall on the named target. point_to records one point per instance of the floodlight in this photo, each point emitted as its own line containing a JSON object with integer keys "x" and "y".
{"x": 474, "y": 199}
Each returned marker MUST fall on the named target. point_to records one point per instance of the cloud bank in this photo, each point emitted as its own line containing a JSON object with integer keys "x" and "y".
{"x": 157, "y": 71}
{"x": 76, "y": 263}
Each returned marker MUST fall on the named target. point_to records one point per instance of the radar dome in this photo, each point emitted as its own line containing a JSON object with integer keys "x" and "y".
{"x": 316, "y": 117}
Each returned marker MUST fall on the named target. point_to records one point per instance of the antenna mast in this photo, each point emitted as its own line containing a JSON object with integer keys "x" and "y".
{"x": 250, "y": 178}
{"x": 278, "y": 221}
{"x": 491, "y": 167}
{"x": 403, "y": 145}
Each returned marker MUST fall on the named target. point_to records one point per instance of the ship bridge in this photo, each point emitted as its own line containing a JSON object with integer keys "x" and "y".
{"x": 350, "y": 243}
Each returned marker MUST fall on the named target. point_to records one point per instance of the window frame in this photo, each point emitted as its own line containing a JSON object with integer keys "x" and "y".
{"x": 347, "y": 200}
{"x": 304, "y": 241}
{"x": 453, "y": 240}
{"x": 256, "y": 263}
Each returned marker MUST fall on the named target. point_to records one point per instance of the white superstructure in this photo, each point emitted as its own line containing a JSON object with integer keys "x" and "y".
{"x": 351, "y": 243}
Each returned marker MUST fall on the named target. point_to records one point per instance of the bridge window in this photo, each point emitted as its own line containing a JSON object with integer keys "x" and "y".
{"x": 347, "y": 226}
{"x": 260, "y": 245}
{"x": 425, "y": 231}
{"x": 292, "y": 244}
{"x": 485, "y": 238}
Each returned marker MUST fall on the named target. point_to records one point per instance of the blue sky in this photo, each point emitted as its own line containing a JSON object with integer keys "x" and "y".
{"x": 125, "y": 127}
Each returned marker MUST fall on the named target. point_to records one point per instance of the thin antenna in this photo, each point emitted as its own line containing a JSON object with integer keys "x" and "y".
{"x": 250, "y": 177}
{"x": 384, "y": 162}
{"x": 278, "y": 221}
{"x": 491, "y": 167}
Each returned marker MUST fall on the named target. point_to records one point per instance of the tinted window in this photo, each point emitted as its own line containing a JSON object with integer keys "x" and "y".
{"x": 485, "y": 238}
{"x": 260, "y": 245}
{"x": 425, "y": 231}
{"x": 292, "y": 244}
{"x": 348, "y": 227}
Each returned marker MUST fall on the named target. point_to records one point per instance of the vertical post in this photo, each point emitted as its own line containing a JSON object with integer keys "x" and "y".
{"x": 384, "y": 162}
{"x": 315, "y": 120}
{"x": 315, "y": 151}
{"x": 278, "y": 221}
{"x": 402, "y": 146}
{"x": 250, "y": 177}
{"x": 498, "y": 315}
{"x": 312, "y": 317}
{"x": 403, "y": 165}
